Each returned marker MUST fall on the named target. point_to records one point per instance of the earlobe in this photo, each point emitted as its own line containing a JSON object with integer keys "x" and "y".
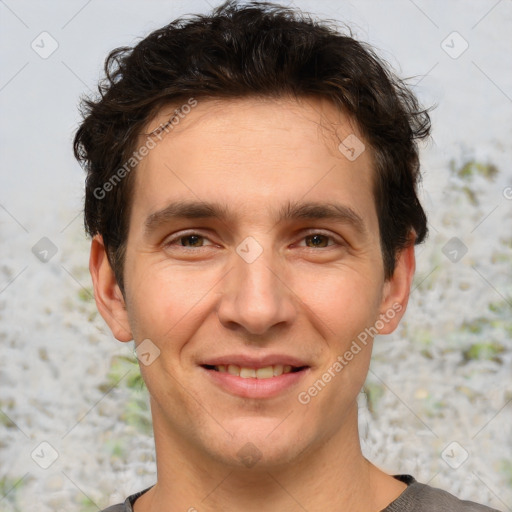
{"x": 109, "y": 299}
{"x": 397, "y": 290}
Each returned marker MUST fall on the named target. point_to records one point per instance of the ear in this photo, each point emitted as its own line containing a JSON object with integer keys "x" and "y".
{"x": 109, "y": 299}
{"x": 397, "y": 290}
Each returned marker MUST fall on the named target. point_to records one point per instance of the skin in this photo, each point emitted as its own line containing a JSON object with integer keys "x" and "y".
{"x": 299, "y": 298}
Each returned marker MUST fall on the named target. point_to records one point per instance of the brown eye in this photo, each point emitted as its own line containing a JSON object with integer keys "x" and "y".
{"x": 317, "y": 240}
{"x": 191, "y": 241}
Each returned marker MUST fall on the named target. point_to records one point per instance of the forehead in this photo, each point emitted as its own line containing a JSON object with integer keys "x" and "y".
{"x": 254, "y": 151}
{"x": 236, "y": 117}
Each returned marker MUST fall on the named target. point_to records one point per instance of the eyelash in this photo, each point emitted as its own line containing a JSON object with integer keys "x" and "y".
{"x": 179, "y": 236}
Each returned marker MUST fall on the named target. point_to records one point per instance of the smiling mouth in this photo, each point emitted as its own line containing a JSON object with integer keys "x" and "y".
{"x": 266, "y": 372}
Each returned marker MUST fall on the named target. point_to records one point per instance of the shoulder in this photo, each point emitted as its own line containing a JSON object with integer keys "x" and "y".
{"x": 420, "y": 497}
{"x": 115, "y": 508}
{"x": 127, "y": 505}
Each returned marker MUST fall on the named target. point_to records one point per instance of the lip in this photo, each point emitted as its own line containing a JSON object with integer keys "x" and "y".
{"x": 247, "y": 361}
{"x": 255, "y": 388}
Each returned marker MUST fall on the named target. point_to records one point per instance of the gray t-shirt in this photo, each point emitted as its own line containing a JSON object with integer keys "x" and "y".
{"x": 416, "y": 497}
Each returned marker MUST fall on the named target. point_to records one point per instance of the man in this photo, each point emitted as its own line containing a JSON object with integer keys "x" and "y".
{"x": 251, "y": 193}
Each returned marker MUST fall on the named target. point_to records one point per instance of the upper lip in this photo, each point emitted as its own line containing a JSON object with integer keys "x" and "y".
{"x": 248, "y": 361}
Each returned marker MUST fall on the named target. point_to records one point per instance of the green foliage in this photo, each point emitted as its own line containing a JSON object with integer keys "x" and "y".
{"x": 137, "y": 413}
{"x": 481, "y": 331}
{"x": 116, "y": 448}
{"x": 486, "y": 350}
{"x": 374, "y": 393}
{"x": 125, "y": 372}
{"x": 125, "y": 369}
{"x": 480, "y": 324}
{"x": 477, "y": 325}
{"x": 502, "y": 312}
{"x": 9, "y": 489}
{"x": 434, "y": 407}
{"x": 5, "y": 421}
{"x": 466, "y": 174}
{"x": 506, "y": 469}
{"x": 87, "y": 505}
{"x": 471, "y": 168}
{"x": 86, "y": 294}
{"x": 471, "y": 195}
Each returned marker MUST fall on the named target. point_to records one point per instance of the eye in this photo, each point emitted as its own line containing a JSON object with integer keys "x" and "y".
{"x": 317, "y": 240}
{"x": 320, "y": 240}
{"x": 189, "y": 240}
{"x": 195, "y": 240}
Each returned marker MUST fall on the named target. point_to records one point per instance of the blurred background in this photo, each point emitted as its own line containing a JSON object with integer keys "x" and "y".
{"x": 75, "y": 429}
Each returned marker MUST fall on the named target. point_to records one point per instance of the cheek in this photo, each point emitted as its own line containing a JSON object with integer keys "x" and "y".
{"x": 345, "y": 300}
{"x": 163, "y": 301}
{"x": 348, "y": 303}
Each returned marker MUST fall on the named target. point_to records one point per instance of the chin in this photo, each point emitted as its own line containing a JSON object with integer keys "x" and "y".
{"x": 264, "y": 445}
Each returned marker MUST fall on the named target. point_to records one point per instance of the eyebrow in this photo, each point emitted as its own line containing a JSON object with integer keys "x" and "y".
{"x": 290, "y": 211}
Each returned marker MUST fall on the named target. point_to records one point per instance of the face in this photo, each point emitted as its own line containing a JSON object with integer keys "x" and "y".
{"x": 253, "y": 264}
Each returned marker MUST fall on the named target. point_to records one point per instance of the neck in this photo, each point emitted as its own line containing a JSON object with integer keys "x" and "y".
{"x": 331, "y": 475}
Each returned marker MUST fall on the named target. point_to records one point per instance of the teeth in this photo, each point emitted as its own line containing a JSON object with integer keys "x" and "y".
{"x": 278, "y": 370}
{"x": 254, "y": 373}
{"x": 263, "y": 373}
{"x": 234, "y": 370}
{"x": 247, "y": 373}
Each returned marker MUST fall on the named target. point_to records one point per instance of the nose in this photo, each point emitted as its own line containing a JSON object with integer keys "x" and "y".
{"x": 256, "y": 296}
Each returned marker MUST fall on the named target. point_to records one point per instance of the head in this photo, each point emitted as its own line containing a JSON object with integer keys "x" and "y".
{"x": 260, "y": 50}
{"x": 250, "y": 113}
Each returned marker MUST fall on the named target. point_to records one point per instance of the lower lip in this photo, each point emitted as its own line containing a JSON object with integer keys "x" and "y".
{"x": 255, "y": 388}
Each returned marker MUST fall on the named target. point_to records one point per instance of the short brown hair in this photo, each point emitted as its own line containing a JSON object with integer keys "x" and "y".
{"x": 254, "y": 49}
